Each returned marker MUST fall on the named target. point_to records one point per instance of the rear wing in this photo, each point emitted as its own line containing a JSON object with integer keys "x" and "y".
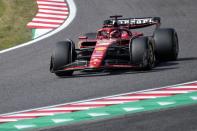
{"x": 132, "y": 23}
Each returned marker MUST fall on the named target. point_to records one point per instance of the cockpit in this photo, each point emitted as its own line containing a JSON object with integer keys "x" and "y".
{"x": 109, "y": 33}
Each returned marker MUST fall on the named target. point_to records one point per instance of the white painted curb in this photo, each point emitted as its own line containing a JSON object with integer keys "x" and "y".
{"x": 73, "y": 11}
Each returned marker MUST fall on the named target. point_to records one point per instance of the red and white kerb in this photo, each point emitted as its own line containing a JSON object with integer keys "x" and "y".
{"x": 51, "y": 14}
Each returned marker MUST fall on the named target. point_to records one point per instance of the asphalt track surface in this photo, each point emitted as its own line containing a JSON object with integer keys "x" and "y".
{"x": 25, "y": 80}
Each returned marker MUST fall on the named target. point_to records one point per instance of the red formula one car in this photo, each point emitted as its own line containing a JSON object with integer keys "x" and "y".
{"x": 116, "y": 46}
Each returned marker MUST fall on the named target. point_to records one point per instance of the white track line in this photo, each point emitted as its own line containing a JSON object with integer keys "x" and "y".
{"x": 52, "y": 7}
{"x": 67, "y": 108}
{"x": 48, "y": 20}
{"x": 40, "y": 24}
{"x": 53, "y": 11}
{"x": 134, "y": 97}
{"x": 52, "y": 16}
{"x": 167, "y": 91}
{"x": 51, "y": 3}
{"x": 70, "y": 18}
{"x": 191, "y": 87}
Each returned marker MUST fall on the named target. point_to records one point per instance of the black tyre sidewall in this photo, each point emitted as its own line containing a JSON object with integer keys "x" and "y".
{"x": 62, "y": 55}
{"x": 139, "y": 50}
{"x": 166, "y": 44}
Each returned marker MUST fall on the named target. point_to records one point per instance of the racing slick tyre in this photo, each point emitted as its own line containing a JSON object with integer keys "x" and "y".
{"x": 63, "y": 54}
{"x": 166, "y": 44}
{"x": 142, "y": 53}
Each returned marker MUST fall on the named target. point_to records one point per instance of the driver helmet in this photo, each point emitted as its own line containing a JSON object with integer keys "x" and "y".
{"x": 125, "y": 35}
{"x": 115, "y": 34}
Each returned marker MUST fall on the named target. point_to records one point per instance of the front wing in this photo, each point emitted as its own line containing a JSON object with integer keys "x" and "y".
{"x": 84, "y": 65}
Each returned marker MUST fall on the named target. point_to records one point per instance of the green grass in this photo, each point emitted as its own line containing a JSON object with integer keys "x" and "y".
{"x": 2, "y": 8}
{"x": 14, "y": 16}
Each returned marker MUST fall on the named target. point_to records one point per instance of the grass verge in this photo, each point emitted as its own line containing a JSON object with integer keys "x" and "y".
{"x": 14, "y": 16}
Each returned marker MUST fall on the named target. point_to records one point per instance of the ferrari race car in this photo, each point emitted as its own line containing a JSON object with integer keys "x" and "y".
{"x": 115, "y": 45}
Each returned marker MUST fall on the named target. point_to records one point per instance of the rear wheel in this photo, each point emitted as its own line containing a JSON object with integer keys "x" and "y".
{"x": 142, "y": 53}
{"x": 63, "y": 54}
{"x": 166, "y": 44}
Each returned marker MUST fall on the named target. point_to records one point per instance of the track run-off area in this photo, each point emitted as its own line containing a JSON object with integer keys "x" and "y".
{"x": 26, "y": 83}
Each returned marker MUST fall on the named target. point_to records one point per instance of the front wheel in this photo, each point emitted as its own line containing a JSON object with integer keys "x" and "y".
{"x": 63, "y": 54}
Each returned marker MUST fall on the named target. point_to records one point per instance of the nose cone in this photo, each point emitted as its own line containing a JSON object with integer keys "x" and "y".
{"x": 95, "y": 63}
{"x": 99, "y": 53}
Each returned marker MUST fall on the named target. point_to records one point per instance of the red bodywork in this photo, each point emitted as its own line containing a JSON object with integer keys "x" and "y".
{"x": 102, "y": 45}
{"x": 100, "y": 49}
{"x": 104, "y": 40}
